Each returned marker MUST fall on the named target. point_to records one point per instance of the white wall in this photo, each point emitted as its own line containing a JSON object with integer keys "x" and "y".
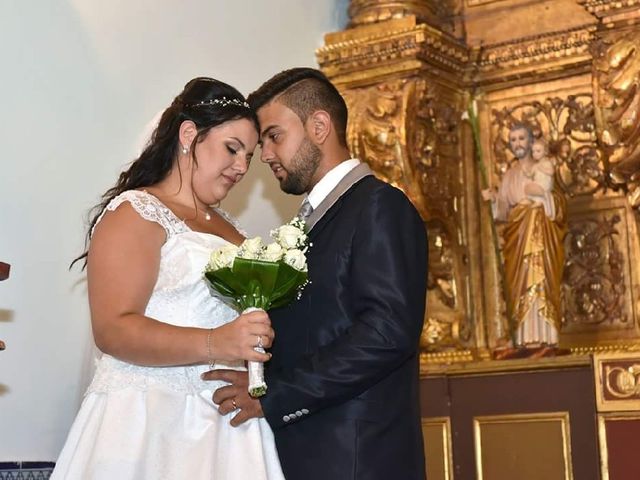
{"x": 79, "y": 80}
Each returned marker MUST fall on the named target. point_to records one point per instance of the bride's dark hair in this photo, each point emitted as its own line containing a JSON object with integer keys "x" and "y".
{"x": 207, "y": 103}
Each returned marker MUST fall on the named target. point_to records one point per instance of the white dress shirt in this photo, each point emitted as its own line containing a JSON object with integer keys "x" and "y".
{"x": 327, "y": 183}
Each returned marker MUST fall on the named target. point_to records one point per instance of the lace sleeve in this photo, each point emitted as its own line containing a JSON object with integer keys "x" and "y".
{"x": 232, "y": 220}
{"x": 149, "y": 208}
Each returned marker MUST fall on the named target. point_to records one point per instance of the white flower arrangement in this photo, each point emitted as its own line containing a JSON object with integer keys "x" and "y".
{"x": 289, "y": 245}
{"x": 239, "y": 273}
{"x": 223, "y": 257}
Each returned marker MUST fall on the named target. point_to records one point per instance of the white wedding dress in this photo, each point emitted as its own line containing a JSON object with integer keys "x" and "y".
{"x": 154, "y": 423}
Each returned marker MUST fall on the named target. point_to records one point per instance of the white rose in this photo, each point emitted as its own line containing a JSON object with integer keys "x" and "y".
{"x": 251, "y": 248}
{"x": 272, "y": 253}
{"x": 289, "y": 236}
{"x": 223, "y": 257}
{"x": 296, "y": 259}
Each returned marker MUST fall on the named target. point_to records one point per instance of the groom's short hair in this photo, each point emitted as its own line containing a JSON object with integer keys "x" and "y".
{"x": 304, "y": 90}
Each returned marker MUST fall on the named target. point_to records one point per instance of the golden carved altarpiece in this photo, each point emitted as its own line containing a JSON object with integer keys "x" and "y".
{"x": 568, "y": 68}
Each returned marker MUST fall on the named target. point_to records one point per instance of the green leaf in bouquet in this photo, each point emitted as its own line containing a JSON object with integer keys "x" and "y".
{"x": 264, "y": 273}
{"x": 287, "y": 284}
{"x": 225, "y": 281}
{"x": 257, "y": 283}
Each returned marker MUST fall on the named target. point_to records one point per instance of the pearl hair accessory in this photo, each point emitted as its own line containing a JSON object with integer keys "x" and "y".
{"x": 223, "y": 102}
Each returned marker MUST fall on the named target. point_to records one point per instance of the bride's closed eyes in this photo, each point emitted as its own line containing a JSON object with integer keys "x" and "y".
{"x": 234, "y": 150}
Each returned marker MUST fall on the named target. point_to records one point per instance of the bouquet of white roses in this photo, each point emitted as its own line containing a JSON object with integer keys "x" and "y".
{"x": 258, "y": 276}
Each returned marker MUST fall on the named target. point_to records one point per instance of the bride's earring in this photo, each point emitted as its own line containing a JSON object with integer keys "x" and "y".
{"x": 185, "y": 150}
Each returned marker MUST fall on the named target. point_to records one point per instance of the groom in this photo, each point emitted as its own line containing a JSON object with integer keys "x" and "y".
{"x": 342, "y": 395}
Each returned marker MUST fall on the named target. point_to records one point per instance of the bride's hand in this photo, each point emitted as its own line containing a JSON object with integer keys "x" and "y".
{"x": 236, "y": 340}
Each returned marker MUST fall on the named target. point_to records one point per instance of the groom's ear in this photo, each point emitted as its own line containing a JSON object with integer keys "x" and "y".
{"x": 319, "y": 126}
{"x": 187, "y": 133}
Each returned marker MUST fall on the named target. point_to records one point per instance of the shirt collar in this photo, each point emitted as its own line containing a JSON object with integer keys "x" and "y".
{"x": 331, "y": 179}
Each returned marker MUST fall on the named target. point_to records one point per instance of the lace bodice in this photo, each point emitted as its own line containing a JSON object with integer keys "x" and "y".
{"x": 180, "y": 297}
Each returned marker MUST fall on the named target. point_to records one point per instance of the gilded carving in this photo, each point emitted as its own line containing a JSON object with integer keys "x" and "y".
{"x": 533, "y": 59}
{"x": 406, "y": 69}
{"x": 602, "y": 7}
{"x": 617, "y": 381}
{"x": 373, "y": 132}
{"x": 439, "y": 12}
{"x": 569, "y": 126}
{"x": 616, "y": 80}
{"x": 623, "y": 383}
{"x": 594, "y": 284}
{"x": 351, "y": 52}
{"x": 536, "y": 49}
{"x": 411, "y": 139}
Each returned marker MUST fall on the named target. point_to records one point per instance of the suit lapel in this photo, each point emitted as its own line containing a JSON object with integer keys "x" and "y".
{"x": 351, "y": 178}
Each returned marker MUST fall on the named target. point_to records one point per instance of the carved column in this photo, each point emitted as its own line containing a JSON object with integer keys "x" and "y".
{"x": 402, "y": 82}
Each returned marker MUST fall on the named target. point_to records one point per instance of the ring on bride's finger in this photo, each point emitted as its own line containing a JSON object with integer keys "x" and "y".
{"x": 260, "y": 344}
{"x": 233, "y": 402}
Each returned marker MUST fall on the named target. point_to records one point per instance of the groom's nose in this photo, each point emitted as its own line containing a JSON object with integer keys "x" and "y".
{"x": 266, "y": 154}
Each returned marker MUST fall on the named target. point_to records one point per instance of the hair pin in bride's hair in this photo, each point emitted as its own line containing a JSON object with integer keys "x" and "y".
{"x": 223, "y": 102}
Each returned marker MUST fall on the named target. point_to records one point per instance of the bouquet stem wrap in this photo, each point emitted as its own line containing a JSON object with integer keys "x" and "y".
{"x": 257, "y": 385}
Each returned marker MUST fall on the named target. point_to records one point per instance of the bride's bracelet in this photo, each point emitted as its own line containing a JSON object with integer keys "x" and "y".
{"x": 212, "y": 363}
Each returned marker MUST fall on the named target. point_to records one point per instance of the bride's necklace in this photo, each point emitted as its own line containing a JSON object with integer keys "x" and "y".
{"x": 207, "y": 213}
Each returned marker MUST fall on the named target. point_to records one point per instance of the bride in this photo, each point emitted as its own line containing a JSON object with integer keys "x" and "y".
{"x": 147, "y": 413}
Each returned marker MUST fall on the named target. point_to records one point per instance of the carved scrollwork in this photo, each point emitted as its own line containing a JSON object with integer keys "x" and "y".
{"x": 616, "y": 85}
{"x": 446, "y": 322}
{"x": 621, "y": 382}
{"x": 569, "y": 127}
{"x": 442, "y": 265}
{"x": 438, "y": 333}
{"x": 433, "y": 143}
{"x": 377, "y": 136}
{"x": 373, "y": 130}
{"x": 593, "y": 284}
{"x": 410, "y": 138}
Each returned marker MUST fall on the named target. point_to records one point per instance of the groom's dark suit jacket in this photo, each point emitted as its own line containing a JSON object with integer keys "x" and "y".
{"x": 343, "y": 381}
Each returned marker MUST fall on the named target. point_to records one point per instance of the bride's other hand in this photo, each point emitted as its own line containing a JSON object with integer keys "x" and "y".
{"x": 237, "y": 339}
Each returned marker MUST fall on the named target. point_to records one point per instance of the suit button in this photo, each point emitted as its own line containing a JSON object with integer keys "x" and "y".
{"x": 286, "y": 418}
{"x": 304, "y": 411}
{"x": 298, "y": 413}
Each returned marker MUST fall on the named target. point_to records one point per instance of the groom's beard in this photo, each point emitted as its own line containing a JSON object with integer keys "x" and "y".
{"x": 303, "y": 166}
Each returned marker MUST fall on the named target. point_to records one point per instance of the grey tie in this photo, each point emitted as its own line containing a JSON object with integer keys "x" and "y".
{"x": 305, "y": 210}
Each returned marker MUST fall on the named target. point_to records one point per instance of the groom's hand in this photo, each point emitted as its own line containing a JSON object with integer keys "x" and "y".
{"x": 235, "y": 396}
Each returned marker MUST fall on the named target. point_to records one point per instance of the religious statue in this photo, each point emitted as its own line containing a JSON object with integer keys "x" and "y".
{"x": 543, "y": 168}
{"x": 534, "y": 216}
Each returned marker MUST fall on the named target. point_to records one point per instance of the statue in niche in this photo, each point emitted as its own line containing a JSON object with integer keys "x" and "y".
{"x": 534, "y": 217}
